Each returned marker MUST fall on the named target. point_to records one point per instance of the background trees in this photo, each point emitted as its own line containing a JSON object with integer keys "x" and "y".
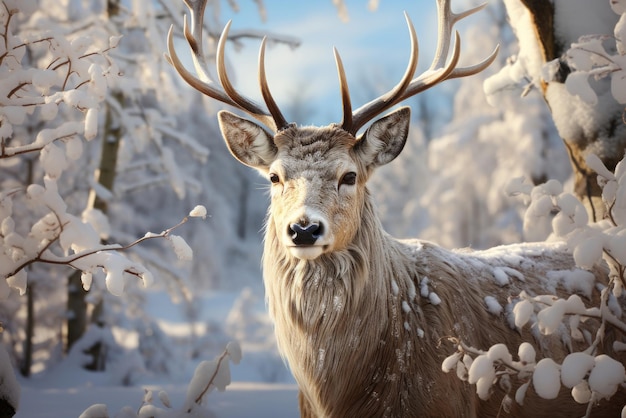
{"x": 73, "y": 88}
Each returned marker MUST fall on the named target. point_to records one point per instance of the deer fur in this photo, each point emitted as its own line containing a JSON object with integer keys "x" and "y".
{"x": 362, "y": 331}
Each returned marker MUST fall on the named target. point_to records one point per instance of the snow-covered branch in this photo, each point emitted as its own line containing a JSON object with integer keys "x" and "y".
{"x": 209, "y": 375}
{"x": 591, "y": 377}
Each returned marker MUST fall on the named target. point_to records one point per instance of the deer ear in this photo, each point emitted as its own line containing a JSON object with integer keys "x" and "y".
{"x": 247, "y": 141}
{"x": 383, "y": 141}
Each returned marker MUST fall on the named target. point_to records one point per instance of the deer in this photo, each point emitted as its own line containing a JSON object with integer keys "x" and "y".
{"x": 360, "y": 316}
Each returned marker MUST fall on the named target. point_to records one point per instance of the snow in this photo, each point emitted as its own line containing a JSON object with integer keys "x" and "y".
{"x": 53, "y": 160}
{"x": 581, "y": 392}
{"x": 91, "y": 124}
{"x": 406, "y": 307}
{"x": 72, "y": 390}
{"x": 520, "y": 393}
{"x": 481, "y": 366}
{"x": 605, "y": 377}
{"x": 575, "y": 367}
{"x": 493, "y": 306}
{"x": 522, "y": 312}
{"x": 181, "y": 248}
{"x": 240, "y": 400}
{"x": 18, "y": 281}
{"x": 394, "y": 288}
{"x": 482, "y": 373}
{"x": 617, "y": 248}
{"x": 198, "y": 211}
{"x": 546, "y": 379}
{"x": 502, "y": 279}
{"x": 598, "y": 166}
{"x": 588, "y": 252}
{"x": 434, "y": 298}
{"x": 526, "y": 353}
{"x": 424, "y": 287}
{"x": 9, "y": 387}
{"x": 499, "y": 353}
{"x": 450, "y": 362}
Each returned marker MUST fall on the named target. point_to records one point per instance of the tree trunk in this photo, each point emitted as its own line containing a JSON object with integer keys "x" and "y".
{"x": 6, "y": 409}
{"x": 77, "y": 310}
{"x": 27, "y": 360}
{"x": 76, "y": 303}
{"x": 9, "y": 387}
{"x": 106, "y": 178}
{"x": 608, "y": 140}
{"x": 29, "y": 332}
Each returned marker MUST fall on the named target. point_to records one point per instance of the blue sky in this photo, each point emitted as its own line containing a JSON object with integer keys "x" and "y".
{"x": 374, "y": 46}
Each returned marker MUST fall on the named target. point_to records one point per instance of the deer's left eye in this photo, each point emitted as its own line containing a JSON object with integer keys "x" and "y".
{"x": 348, "y": 179}
{"x": 274, "y": 178}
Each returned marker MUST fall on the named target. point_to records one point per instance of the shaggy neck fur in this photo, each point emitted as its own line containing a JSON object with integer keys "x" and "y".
{"x": 343, "y": 306}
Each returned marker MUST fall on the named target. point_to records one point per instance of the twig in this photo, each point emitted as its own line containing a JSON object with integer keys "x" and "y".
{"x": 69, "y": 260}
{"x": 210, "y": 382}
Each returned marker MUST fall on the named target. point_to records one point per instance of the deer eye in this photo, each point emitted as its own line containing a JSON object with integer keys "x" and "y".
{"x": 348, "y": 179}
{"x": 274, "y": 178}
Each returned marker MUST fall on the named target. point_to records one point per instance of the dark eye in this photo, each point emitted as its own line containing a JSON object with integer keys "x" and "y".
{"x": 274, "y": 178}
{"x": 348, "y": 179}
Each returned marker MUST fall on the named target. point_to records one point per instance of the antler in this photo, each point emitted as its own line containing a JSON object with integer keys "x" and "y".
{"x": 407, "y": 87}
{"x": 226, "y": 93}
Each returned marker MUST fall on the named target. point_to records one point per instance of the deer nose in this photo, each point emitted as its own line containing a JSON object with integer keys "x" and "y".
{"x": 305, "y": 235}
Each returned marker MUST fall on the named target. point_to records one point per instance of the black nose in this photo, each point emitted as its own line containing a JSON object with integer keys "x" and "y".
{"x": 305, "y": 235}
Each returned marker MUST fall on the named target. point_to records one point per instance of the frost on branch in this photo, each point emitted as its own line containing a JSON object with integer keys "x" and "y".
{"x": 595, "y": 57}
{"x": 55, "y": 84}
{"x": 580, "y": 320}
{"x": 62, "y": 239}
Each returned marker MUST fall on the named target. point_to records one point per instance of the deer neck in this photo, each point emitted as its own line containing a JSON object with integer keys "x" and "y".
{"x": 338, "y": 307}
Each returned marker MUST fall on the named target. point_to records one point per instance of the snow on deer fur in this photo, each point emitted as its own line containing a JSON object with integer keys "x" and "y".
{"x": 370, "y": 324}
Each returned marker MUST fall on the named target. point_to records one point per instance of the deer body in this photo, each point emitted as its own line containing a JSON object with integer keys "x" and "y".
{"x": 361, "y": 325}
{"x": 361, "y": 317}
{"x": 377, "y": 350}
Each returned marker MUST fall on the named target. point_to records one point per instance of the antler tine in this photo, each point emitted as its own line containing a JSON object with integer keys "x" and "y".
{"x": 242, "y": 102}
{"x": 433, "y": 77}
{"x": 279, "y": 119}
{"x": 346, "y": 122}
{"x": 366, "y": 112}
{"x": 438, "y": 71}
{"x": 446, "y": 20}
{"x": 194, "y": 37}
{"x": 205, "y": 88}
{"x": 437, "y": 74}
{"x": 476, "y": 68}
{"x": 226, "y": 92}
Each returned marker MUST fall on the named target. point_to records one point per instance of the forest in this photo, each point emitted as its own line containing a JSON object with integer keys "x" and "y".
{"x": 131, "y": 241}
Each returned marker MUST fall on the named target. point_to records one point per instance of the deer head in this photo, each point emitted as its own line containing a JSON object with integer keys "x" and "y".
{"x": 318, "y": 174}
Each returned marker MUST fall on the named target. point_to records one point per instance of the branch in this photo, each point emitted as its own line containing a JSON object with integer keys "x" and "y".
{"x": 112, "y": 247}
{"x": 210, "y": 382}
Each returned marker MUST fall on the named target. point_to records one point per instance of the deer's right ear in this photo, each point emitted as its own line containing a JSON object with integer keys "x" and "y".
{"x": 385, "y": 138}
{"x": 247, "y": 141}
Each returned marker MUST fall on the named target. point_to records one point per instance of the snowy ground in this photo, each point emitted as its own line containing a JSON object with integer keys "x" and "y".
{"x": 67, "y": 390}
{"x": 240, "y": 400}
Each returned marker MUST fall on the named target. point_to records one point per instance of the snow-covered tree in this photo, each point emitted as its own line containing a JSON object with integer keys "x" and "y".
{"x": 455, "y": 181}
{"x": 567, "y": 53}
{"x": 71, "y": 89}
{"x": 571, "y": 52}
{"x": 86, "y": 89}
